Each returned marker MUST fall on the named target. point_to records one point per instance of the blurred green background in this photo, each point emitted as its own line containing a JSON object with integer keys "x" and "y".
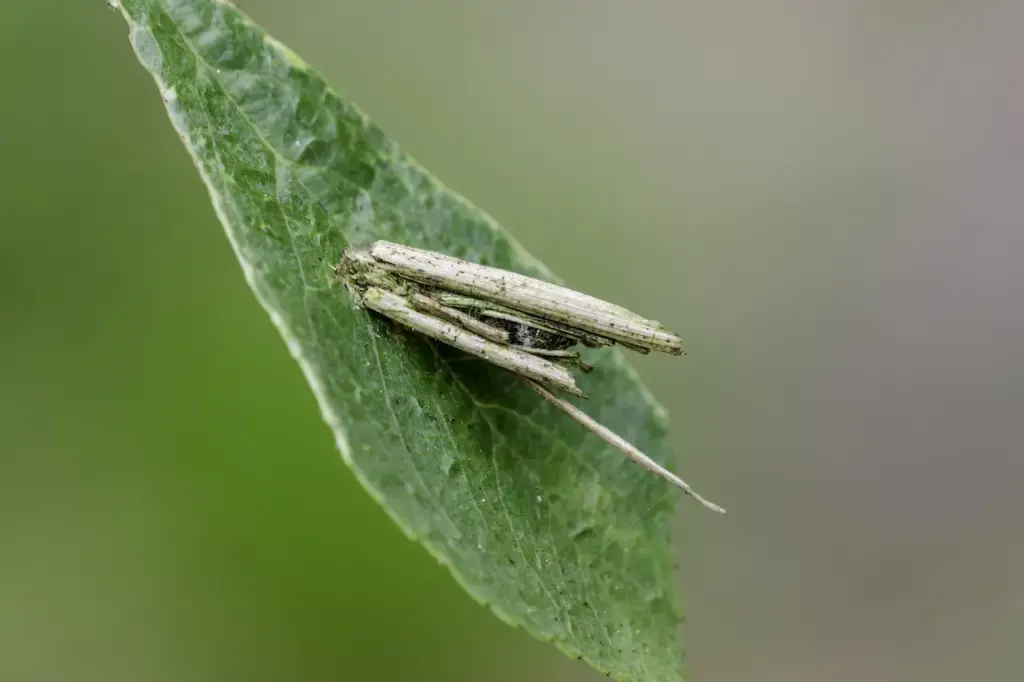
{"x": 825, "y": 199}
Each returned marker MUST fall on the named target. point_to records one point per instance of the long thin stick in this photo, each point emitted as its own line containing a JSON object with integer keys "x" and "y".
{"x": 622, "y": 445}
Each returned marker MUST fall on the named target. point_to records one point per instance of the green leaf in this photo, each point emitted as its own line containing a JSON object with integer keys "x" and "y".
{"x": 535, "y": 516}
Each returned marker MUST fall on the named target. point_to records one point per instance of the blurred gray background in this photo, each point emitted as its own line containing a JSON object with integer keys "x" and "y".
{"x": 825, "y": 199}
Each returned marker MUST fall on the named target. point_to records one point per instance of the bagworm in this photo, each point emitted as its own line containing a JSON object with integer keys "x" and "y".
{"x": 522, "y": 324}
